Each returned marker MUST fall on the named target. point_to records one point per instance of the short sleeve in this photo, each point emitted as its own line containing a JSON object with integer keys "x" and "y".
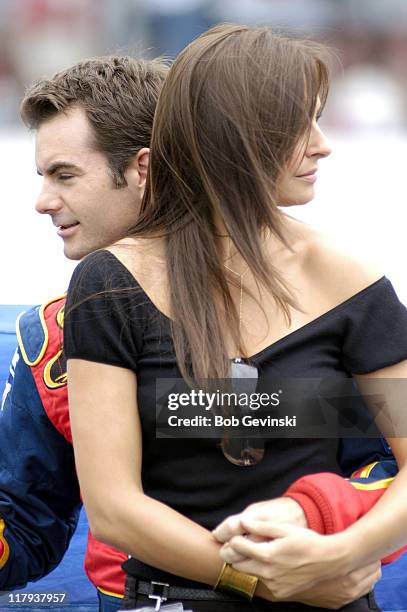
{"x": 376, "y": 329}
{"x": 102, "y": 320}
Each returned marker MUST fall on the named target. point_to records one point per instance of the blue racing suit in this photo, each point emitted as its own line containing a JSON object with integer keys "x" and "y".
{"x": 39, "y": 491}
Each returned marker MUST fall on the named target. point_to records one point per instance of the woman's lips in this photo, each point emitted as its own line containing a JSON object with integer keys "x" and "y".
{"x": 310, "y": 177}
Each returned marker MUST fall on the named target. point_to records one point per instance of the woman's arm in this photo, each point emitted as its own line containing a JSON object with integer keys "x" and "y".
{"x": 107, "y": 440}
{"x": 390, "y": 512}
{"x": 293, "y": 558}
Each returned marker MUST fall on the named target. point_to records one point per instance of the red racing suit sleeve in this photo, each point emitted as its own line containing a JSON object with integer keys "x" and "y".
{"x": 332, "y": 503}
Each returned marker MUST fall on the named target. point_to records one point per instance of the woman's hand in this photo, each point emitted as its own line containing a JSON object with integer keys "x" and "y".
{"x": 288, "y": 559}
{"x": 337, "y": 592}
{"x": 275, "y": 511}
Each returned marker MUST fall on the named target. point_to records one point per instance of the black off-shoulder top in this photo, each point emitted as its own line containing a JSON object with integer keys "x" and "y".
{"x": 124, "y": 328}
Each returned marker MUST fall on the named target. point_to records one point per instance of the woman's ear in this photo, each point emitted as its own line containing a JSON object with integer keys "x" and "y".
{"x": 136, "y": 172}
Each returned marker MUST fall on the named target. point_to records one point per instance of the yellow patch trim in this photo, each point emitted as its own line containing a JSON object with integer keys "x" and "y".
{"x": 44, "y": 329}
{"x": 373, "y": 486}
{"x": 60, "y": 316}
{"x": 6, "y": 551}
{"x": 366, "y": 470}
{"x": 20, "y": 340}
{"x": 109, "y": 593}
{"x": 60, "y": 381}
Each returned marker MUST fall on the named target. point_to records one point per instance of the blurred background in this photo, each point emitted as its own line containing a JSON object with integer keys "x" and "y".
{"x": 361, "y": 196}
{"x": 361, "y": 190}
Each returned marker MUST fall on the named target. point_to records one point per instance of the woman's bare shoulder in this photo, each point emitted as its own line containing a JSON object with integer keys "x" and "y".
{"x": 142, "y": 257}
{"x": 338, "y": 268}
{"x": 145, "y": 260}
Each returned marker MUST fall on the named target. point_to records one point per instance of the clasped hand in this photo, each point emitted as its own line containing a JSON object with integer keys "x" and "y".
{"x": 271, "y": 540}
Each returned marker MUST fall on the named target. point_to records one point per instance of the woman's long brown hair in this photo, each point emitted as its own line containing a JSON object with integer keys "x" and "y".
{"x": 235, "y": 104}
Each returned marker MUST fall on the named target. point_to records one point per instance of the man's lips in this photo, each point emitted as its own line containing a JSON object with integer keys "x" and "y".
{"x": 65, "y": 225}
{"x": 66, "y": 230}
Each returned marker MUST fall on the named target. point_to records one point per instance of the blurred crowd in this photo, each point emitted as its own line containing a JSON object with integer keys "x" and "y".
{"x": 39, "y": 37}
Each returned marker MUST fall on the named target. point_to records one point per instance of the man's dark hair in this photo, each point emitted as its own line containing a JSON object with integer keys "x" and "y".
{"x": 119, "y": 95}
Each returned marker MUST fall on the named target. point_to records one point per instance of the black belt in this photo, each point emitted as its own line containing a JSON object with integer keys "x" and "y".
{"x": 163, "y": 591}
{"x": 159, "y": 592}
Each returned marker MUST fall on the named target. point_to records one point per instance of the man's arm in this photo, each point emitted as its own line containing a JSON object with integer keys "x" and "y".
{"x": 332, "y": 503}
{"x": 39, "y": 492}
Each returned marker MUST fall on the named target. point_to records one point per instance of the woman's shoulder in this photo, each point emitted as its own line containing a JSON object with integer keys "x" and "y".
{"x": 97, "y": 281}
{"x": 99, "y": 268}
{"x": 143, "y": 257}
{"x": 337, "y": 270}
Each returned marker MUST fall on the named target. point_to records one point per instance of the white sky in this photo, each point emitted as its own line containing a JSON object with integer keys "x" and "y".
{"x": 361, "y": 200}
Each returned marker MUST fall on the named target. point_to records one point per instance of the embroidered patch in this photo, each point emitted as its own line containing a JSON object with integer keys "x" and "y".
{"x": 55, "y": 371}
{"x": 5, "y": 553}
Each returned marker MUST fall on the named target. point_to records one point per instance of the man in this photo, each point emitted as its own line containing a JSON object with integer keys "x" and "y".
{"x": 93, "y": 124}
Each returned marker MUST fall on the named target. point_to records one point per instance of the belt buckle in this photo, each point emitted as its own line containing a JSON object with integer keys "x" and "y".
{"x": 158, "y": 591}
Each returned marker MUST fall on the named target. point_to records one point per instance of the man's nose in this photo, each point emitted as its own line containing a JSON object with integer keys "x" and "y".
{"x": 48, "y": 202}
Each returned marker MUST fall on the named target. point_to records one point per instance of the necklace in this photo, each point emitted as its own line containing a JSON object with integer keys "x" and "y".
{"x": 240, "y": 277}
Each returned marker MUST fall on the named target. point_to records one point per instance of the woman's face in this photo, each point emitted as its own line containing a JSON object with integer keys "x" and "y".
{"x": 296, "y": 185}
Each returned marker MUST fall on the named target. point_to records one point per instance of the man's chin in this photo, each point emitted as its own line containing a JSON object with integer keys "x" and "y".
{"x": 75, "y": 254}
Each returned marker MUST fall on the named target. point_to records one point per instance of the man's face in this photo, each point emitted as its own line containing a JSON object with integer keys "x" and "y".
{"x": 78, "y": 192}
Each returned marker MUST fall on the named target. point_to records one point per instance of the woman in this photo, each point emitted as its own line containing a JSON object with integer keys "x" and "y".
{"x": 214, "y": 271}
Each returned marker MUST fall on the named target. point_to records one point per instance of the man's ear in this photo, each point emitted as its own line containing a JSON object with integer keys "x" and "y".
{"x": 136, "y": 172}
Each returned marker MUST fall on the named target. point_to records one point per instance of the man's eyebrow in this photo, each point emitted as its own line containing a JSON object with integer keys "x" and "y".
{"x": 58, "y": 165}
